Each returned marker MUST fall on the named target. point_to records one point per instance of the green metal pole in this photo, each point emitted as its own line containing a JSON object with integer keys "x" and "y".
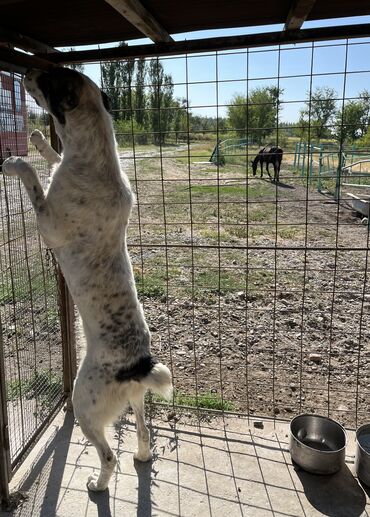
{"x": 338, "y": 178}
{"x": 295, "y": 154}
{"x": 311, "y": 163}
{"x": 303, "y": 159}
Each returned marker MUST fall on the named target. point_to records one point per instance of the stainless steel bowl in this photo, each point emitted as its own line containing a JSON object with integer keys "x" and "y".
{"x": 317, "y": 444}
{"x": 362, "y": 461}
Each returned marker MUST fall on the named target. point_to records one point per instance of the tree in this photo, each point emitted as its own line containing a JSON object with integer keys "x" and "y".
{"x": 365, "y": 140}
{"x": 126, "y": 73}
{"x": 255, "y": 116}
{"x": 111, "y": 84}
{"x": 319, "y": 112}
{"x": 160, "y": 101}
{"x": 365, "y": 118}
{"x": 140, "y": 97}
{"x": 349, "y": 121}
{"x": 353, "y": 120}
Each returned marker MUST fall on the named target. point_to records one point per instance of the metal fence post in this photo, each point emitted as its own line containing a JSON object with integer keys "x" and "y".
{"x": 5, "y": 466}
{"x": 303, "y": 159}
{"x": 295, "y": 154}
{"x": 338, "y": 178}
{"x": 67, "y": 311}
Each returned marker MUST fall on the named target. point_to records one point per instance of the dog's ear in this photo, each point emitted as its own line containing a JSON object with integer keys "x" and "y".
{"x": 106, "y": 101}
{"x": 62, "y": 89}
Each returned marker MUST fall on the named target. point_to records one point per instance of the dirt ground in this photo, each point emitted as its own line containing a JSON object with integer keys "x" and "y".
{"x": 282, "y": 325}
{"x": 256, "y": 294}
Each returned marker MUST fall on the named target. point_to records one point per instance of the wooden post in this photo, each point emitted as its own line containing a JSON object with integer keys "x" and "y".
{"x": 5, "y": 465}
{"x": 67, "y": 311}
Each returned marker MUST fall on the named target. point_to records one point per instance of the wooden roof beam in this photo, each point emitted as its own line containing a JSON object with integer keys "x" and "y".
{"x": 15, "y": 39}
{"x": 14, "y": 61}
{"x": 139, "y": 17}
{"x": 211, "y": 44}
{"x": 299, "y": 10}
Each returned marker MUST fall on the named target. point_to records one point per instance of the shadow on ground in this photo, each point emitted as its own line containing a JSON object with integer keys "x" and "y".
{"x": 331, "y": 495}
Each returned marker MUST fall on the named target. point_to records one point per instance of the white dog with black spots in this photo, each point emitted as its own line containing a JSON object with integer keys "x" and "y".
{"x": 83, "y": 217}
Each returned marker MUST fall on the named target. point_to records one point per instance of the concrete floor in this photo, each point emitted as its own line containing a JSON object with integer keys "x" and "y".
{"x": 222, "y": 468}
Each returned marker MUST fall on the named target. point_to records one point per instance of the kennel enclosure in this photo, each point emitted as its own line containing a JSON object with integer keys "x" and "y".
{"x": 241, "y": 281}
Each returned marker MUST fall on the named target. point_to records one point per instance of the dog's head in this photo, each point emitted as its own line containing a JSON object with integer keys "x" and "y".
{"x": 60, "y": 91}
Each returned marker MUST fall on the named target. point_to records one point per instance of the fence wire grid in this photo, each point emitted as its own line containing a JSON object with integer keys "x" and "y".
{"x": 256, "y": 292}
{"x": 29, "y": 307}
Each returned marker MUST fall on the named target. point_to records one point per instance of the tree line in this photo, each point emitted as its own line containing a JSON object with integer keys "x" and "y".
{"x": 142, "y": 102}
{"x": 324, "y": 116}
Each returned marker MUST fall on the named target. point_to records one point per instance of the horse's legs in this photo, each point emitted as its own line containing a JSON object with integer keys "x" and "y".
{"x": 261, "y": 164}
{"x": 267, "y": 168}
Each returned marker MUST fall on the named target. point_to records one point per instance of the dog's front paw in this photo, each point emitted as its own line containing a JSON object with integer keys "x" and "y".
{"x": 93, "y": 483}
{"x": 13, "y": 166}
{"x": 37, "y": 138}
{"x": 143, "y": 456}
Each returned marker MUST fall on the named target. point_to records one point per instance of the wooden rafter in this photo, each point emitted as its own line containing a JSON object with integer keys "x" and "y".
{"x": 298, "y": 13}
{"x": 15, "y": 39}
{"x": 211, "y": 44}
{"x": 14, "y": 61}
{"x": 137, "y": 15}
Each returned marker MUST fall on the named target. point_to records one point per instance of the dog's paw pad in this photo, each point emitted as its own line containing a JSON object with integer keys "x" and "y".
{"x": 93, "y": 484}
{"x": 37, "y": 137}
{"x": 142, "y": 456}
{"x": 11, "y": 166}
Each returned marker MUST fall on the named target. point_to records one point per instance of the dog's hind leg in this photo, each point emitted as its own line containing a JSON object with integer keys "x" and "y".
{"x": 43, "y": 147}
{"x": 94, "y": 432}
{"x": 142, "y": 452}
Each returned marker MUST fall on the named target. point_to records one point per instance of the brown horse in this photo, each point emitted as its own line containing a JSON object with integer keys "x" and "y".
{"x": 268, "y": 155}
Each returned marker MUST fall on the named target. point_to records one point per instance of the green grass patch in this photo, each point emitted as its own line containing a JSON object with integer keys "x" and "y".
{"x": 44, "y": 386}
{"x": 18, "y": 285}
{"x": 204, "y": 401}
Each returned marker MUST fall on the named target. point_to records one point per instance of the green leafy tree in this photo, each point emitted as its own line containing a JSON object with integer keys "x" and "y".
{"x": 160, "y": 101}
{"x": 365, "y": 140}
{"x": 319, "y": 113}
{"x": 112, "y": 85}
{"x": 126, "y": 73}
{"x": 353, "y": 121}
{"x": 255, "y": 116}
{"x": 140, "y": 97}
{"x": 365, "y": 118}
{"x": 180, "y": 118}
{"x": 349, "y": 122}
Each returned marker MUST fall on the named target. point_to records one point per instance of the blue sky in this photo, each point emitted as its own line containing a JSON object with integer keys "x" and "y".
{"x": 327, "y": 61}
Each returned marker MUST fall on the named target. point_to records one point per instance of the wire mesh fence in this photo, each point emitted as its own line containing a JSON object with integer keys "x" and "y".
{"x": 29, "y": 306}
{"x": 256, "y": 292}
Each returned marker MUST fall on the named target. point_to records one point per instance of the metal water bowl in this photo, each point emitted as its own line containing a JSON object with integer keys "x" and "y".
{"x": 362, "y": 461}
{"x": 317, "y": 444}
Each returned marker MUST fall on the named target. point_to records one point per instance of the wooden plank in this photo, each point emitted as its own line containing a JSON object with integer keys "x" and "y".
{"x": 24, "y": 42}
{"x": 14, "y": 61}
{"x": 211, "y": 44}
{"x": 5, "y": 468}
{"x": 298, "y": 13}
{"x": 139, "y": 17}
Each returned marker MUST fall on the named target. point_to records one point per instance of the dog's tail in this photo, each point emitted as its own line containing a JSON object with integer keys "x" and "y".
{"x": 159, "y": 380}
{"x": 150, "y": 373}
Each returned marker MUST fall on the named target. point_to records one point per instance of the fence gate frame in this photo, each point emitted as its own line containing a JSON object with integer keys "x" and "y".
{"x": 5, "y": 464}
{"x": 69, "y": 358}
